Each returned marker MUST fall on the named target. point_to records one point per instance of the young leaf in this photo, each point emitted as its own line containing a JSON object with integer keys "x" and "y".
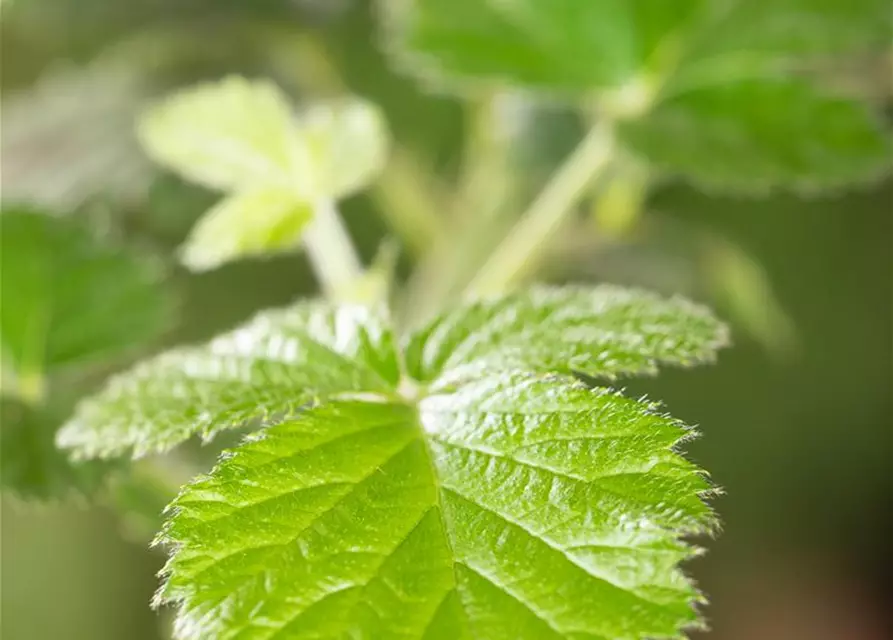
{"x": 494, "y": 496}
{"x": 228, "y": 135}
{"x": 755, "y": 134}
{"x": 241, "y": 137}
{"x": 68, "y": 299}
{"x": 259, "y": 221}
{"x": 564, "y": 45}
{"x": 266, "y": 370}
{"x": 519, "y": 507}
{"x": 347, "y": 144}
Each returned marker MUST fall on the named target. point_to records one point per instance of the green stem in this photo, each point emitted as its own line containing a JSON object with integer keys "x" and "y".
{"x": 330, "y": 249}
{"x": 409, "y": 199}
{"x": 524, "y": 247}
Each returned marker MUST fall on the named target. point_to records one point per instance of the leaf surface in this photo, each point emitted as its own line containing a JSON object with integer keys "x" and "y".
{"x": 255, "y": 222}
{"x": 463, "y": 486}
{"x": 785, "y": 28}
{"x": 269, "y": 368}
{"x": 558, "y": 45}
{"x": 603, "y": 332}
{"x": 522, "y": 506}
{"x": 755, "y": 134}
{"x": 68, "y": 299}
{"x": 226, "y": 135}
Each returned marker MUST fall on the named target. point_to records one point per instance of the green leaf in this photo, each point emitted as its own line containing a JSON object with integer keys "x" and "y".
{"x": 264, "y": 371}
{"x": 238, "y": 135}
{"x": 241, "y": 137}
{"x": 31, "y": 467}
{"x": 492, "y": 496}
{"x": 228, "y": 135}
{"x": 346, "y": 143}
{"x": 256, "y": 222}
{"x": 519, "y": 507}
{"x": 603, "y": 332}
{"x": 67, "y": 299}
{"x": 779, "y": 28}
{"x": 756, "y": 134}
{"x": 564, "y": 45}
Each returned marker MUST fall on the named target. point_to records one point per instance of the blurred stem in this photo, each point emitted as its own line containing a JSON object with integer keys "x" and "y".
{"x": 484, "y": 194}
{"x": 330, "y": 249}
{"x": 523, "y": 249}
{"x": 485, "y": 163}
{"x": 617, "y": 204}
{"x": 408, "y": 199}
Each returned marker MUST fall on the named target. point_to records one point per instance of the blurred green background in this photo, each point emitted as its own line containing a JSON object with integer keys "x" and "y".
{"x": 796, "y": 418}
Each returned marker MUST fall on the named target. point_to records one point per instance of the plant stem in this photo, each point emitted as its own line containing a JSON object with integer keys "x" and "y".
{"x": 522, "y": 250}
{"x": 409, "y": 198}
{"x": 330, "y": 249}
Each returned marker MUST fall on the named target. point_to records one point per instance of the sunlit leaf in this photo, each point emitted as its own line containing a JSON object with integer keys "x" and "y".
{"x": 604, "y": 332}
{"x": 517, "y": 507}
{"x": 492, "y": 495}
{"x": 228, "y": 135}
{"x": 347, "y": 144}
{"x": 261, "y": 221}
{"x": 269, "y": 368}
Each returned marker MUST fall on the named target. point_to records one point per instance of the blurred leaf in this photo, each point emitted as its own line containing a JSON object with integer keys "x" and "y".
{"x": 68, "y": 299}
{"x": 240, "y": 136}
{"x": 795, "y": 27}
{"x": 347, "y": 143}
{"x": 260, "y": 221}
{"x": 564, "y": 45}
{"x": 31, "y": 467}
{"x": 226, "y": 135}
{"x": 753, "y": 135}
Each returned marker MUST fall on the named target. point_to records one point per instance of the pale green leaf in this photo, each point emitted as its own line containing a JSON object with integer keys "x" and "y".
{"x": 238, "y": 134}
{"x": 227, "y": 135}
{"x": 346, "y": 142}
{"x": 602, "y": 332}
{"x": 519, "y": 507}
{"x": 255, "y": 222}
{"x": 563, "y": 45}
{"x": 265, "y": 370}
{"x": 68, "y": 299}
{"x": 756, "y": 134}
